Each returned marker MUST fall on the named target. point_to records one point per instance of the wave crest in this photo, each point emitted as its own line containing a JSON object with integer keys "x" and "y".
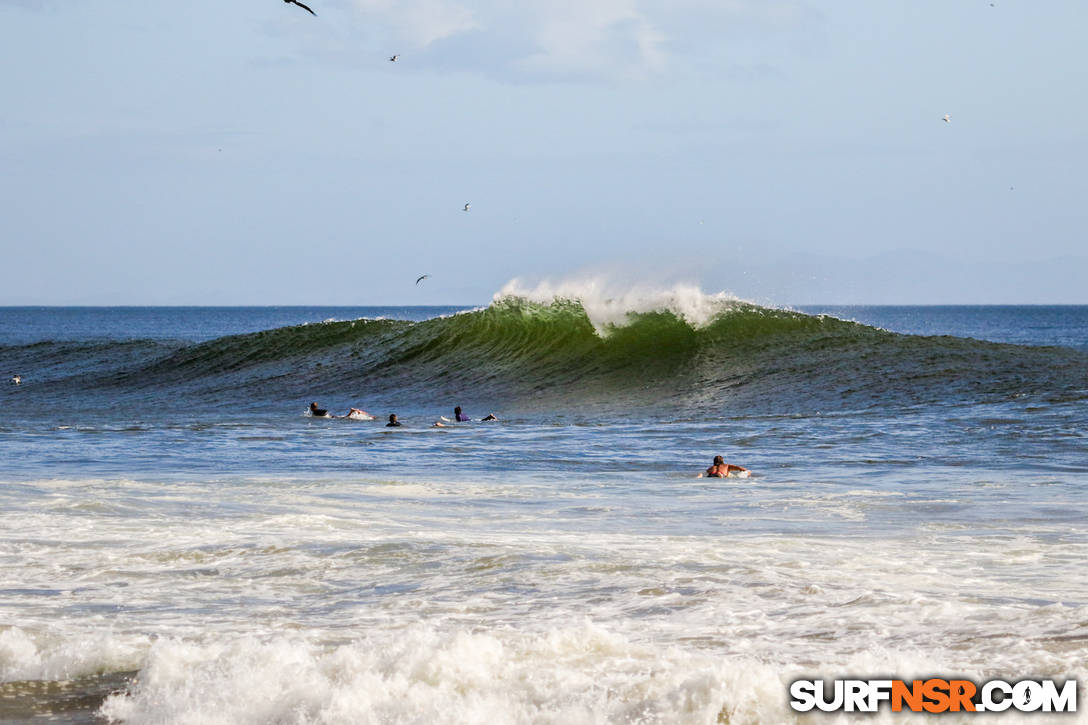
{"x": 608, "y": 305}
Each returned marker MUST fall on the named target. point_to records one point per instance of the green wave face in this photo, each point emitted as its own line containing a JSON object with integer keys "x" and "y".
{"x": 523, "y": 354}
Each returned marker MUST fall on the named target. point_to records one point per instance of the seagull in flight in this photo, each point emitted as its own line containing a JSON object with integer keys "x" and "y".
{"x": 947, "y": 118}
{"x": 421, "y": 278}
{"x": 304, "y": 7}
{"x": 15, "y": 380}
{"x": 393, "y": 58}
{"x": 467, "y": 207}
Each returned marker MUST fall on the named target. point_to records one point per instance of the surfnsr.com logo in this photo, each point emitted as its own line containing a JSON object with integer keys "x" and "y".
{"x": 934, "y": 695}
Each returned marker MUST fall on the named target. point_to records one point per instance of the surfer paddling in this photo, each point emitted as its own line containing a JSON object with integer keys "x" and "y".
{"x": 721, "y": 469}
{"x": 460, "y": 417}
{"x": 353, "y": 413}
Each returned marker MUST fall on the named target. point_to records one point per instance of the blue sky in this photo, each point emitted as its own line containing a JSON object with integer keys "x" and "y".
{"x": 788, "y": 152}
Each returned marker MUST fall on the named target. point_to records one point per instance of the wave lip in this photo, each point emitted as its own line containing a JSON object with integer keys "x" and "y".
{"x": 608, "y": 306}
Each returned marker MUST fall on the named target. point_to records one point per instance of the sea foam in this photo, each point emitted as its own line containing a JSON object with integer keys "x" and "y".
{"x": 26, "y": 656}
{"x": 609, "y": 304}
{"x": 580, "y": 674}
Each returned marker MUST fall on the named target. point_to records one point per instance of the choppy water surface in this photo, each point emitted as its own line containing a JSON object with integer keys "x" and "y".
{"x": 181, "y": 542}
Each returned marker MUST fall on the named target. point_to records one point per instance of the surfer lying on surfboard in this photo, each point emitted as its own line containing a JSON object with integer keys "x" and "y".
{"x": 459, "y": 417}
{"x": 353, "y": 413}
{"x": 721, "y": 469}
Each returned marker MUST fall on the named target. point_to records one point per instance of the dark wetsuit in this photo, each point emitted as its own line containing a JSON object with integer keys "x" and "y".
{"x": 394, "y": 424}
{"x": 318, "y": 412}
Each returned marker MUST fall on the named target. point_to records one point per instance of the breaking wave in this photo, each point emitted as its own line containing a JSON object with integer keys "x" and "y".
{"x": 563, "y": 346}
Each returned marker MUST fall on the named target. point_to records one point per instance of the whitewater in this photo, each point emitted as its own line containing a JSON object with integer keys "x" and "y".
{"x": 182, "y": 543}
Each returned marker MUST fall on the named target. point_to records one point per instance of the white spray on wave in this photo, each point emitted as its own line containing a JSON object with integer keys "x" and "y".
{"x": 609, "y": 304}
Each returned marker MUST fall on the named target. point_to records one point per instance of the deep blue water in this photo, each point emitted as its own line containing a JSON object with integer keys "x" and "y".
{"x": 24, "y": 325}
{"x": 1065, "y": 325}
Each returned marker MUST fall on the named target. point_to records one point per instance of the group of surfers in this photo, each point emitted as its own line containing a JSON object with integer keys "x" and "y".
{"x": 394, "y": 422}
{"x": 719, "y": 469}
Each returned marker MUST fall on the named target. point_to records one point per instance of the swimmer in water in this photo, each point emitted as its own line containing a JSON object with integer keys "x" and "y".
{"x": 318, "y": 412}
{"x": 490, "y": 416}
{"x": 359, "y": 414}
{"x": 393, "y": 422}
{"x": 721, "y": 469}
{"x": 459, "y": 416}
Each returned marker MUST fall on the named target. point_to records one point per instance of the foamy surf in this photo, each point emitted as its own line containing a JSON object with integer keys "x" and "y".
{"x": 52, "y": 655}
{"x": 515, "y": 600}
{"x": 609, "y": 305}
{"x": 582, "y": 673}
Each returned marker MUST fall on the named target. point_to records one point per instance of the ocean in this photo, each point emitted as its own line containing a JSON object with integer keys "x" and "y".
{"x": 181, "y": 542}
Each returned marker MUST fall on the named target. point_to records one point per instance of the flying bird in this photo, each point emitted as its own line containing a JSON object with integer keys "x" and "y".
{"x": 304, "y": 7}
{"x": 15, "y": 380}
{"x": 422, "y": 277}
{"x": 467, "y": 206}
{"x": 393, "y": 59}
{"x": 947, "y": 118}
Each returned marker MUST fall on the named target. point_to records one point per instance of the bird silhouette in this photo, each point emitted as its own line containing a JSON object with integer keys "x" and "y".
{"x": 393, "y": 59}
{"x": 467, "y": 206}
{"x": 304, "y": 7}
{"x": 422, "y": 277}
{"x": 947, "y": 118}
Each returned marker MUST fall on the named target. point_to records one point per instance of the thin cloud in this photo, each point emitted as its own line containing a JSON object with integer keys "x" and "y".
{"x": 571, "y": 39}
{"x": 419, "y": 23}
